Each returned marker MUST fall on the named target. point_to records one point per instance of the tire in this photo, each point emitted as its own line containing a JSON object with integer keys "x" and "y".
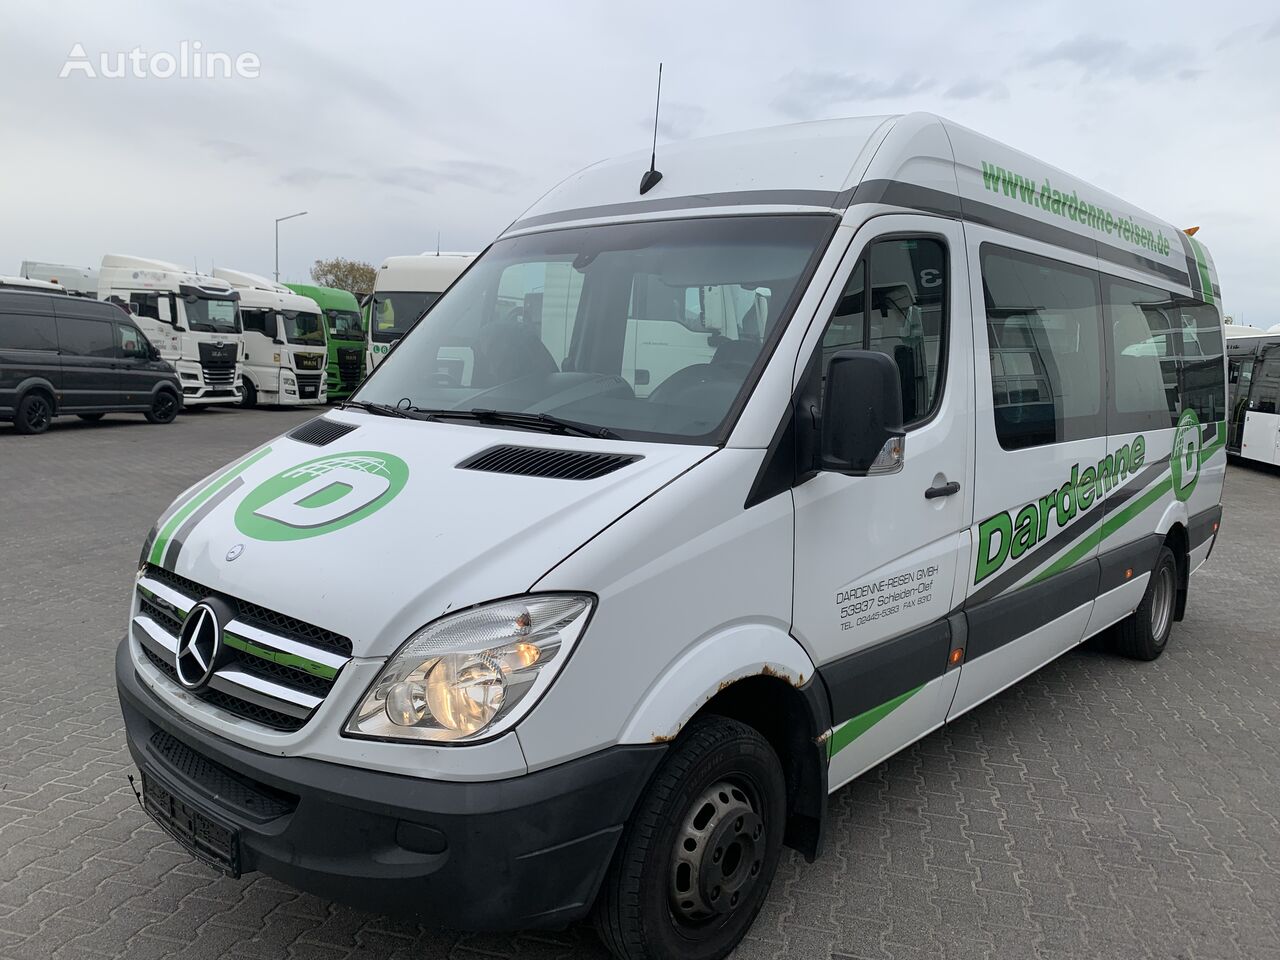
{"x": 34, "y": 413}
{"x": 91, "y": 417}
{"x": 1144, "y": 634}
{"x": 679, "y": 889}
{"x": 248, "y": 395}
{"x": 164, "y": 408}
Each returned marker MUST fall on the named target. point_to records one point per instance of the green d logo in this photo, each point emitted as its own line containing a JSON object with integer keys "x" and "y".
{"x": 1184, "y": 461}
{"x": 321, "y": 496}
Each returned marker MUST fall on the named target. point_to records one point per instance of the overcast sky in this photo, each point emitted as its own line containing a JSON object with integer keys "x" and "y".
{"x": 394, "y": 122}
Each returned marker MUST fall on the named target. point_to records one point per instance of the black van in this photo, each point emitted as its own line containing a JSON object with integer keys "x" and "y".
{"x": 70, "y": 355}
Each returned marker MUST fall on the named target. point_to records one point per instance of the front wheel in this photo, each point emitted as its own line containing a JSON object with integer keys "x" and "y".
{"x": 164, "y": 408}
{"x": 697, "y": 857}
{"x": 248, "y": 395}
{"x": 34, "y": 413}
{"x": 1144, "y": 634}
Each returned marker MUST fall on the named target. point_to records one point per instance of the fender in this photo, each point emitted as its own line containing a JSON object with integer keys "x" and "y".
{"x": 1174, "y": 513}
{"x": 706, "y": 668}
{"x": 33, "y": 382}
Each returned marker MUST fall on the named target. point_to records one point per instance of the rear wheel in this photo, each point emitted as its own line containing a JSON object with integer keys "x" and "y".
{"x": 1144, "y": 634}
{"x": 164, "y": 408}
{"x": 34, "y": 413}
{"x": 697, "y": 857}
{"x": 91, "y": 417}
{"x": 248, "y": 395}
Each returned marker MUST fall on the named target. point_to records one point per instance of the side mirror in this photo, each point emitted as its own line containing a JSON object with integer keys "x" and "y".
{"x": 277, "y": 341}
{"x": 862, "y": 430}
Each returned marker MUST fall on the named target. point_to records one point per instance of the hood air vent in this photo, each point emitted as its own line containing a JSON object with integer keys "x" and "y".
{"x": 552, "y": 464}
{"x": 321, "y": 431}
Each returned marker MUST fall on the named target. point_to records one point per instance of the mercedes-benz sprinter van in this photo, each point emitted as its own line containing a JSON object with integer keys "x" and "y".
{"x": 610, "y": 628}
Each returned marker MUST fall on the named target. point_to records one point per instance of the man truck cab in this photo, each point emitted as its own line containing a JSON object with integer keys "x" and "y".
{"x": 403, "y": 290}
{"x": 346, "y": 336}
{"x": 285, "y": 347}
{"x": 191, "y": 318}
{"x": 78, "y": 281}
{"x": 604, "y": 643}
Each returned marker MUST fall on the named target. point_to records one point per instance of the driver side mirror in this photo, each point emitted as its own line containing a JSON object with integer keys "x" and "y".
{"x": 862, "y": 433}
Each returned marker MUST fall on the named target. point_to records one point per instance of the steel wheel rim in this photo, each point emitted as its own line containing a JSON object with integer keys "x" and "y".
{"x": 718, "y": 854}
{"x": 1162, "y": 603}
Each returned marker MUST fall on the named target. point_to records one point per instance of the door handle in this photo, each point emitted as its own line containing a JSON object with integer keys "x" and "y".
{"x": 945, "y": 490}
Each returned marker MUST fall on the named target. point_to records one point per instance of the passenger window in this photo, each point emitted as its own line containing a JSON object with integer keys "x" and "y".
{"x": 24, "y": 331}
{"x": 154, "y": 306}
{"x": 907, "y": 320}
{"x": 85, "y": 338}
{"x": 1265, "y": 395}
{"x": 130, "y": 341}
{"x": 260, "y": 321}
{"x": 1200, "y": 340}
{"x": 1044, "y": 337}
{"x": 1144, "y": 357}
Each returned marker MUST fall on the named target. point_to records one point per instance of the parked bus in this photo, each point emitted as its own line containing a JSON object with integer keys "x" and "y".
{"x": 603, "y": 646}
{"x": 341, "y": 311}
{"x": 285, "y": 347}
{"x": 79, "y": 281}
{"x": 1253, "y": 379}
{"x": 191, "y": 318}
{"x": 403, "y": 290}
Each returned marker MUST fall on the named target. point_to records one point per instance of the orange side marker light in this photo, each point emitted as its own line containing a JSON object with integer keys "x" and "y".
{"x": 956, "y": 656}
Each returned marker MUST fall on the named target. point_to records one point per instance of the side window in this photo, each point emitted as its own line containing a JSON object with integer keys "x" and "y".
{"x": 907, "y": 319}
{"x": 1199, "y": 333}
{"x": 1044, "y": 333}
{"x": 25, "y": 331}
{"x": 85, "y": 338}
{"x": 1265, "y": 394}
{"x": 260, "y": 321}
{"x": 130, "y": 342}
{"x": 1144, "y": 357}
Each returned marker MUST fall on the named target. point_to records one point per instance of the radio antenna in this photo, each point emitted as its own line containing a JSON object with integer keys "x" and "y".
{"x": 437, "y": 243}
{"x": 653, "y": 174}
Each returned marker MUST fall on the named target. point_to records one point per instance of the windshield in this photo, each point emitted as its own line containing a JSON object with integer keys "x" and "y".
{"x": 394, "y": 313}
{"x": 648, "y": 330}
{"x": 210, "y": 315}
{"x": 345, "y": 324}
{"x": 301, "y": 327}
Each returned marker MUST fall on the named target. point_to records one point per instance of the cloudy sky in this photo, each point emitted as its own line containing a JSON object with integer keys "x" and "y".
{"x": 392, "y": 123}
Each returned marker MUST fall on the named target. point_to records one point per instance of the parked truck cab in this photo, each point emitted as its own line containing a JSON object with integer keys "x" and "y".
{"x": 192, "y": 319}
{"x": 835, "y": 433}
{"x": 346, "y": 333}
{"x": 404, "y": 289}
{"x": 285, "y": 344}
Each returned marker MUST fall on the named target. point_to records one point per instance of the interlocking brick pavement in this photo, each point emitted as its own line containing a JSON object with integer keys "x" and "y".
{"x": 1101, "y": 809}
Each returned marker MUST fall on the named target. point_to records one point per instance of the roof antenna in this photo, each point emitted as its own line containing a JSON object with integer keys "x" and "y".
{"x": 653, "y": 174}
{"x": 437, "y": 243}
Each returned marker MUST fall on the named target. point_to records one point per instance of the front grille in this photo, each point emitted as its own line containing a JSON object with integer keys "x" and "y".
{"x": 308, "y": 361}
{"x": 274, "y": 670}
{"x": 350, "y": 364}
{"x": 218, "y": 363}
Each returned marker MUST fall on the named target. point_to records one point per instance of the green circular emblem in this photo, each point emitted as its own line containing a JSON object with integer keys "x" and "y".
{"x": 321, "y": 495}
{"x": 1184, "y": 461}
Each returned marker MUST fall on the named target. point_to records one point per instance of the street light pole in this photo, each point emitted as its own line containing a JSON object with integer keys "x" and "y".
{"x": 280, "y": 220}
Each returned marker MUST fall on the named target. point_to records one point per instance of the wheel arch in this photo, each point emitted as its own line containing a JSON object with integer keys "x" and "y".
{"x": 36, "y": 383}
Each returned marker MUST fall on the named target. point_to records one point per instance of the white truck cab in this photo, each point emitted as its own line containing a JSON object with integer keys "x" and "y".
{"x": 78, "y": 281}
{"x": 192, "y": 319}
{"x": 286, "y": 346}
{"x": 833, "y": 434}
{"x": 403, "y": 290}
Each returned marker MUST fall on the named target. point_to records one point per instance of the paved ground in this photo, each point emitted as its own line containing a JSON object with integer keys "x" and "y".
{"x": 1102, "y": 809}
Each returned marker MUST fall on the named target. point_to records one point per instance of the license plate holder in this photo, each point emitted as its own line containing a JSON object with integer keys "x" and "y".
{"x": 205, "y": 837}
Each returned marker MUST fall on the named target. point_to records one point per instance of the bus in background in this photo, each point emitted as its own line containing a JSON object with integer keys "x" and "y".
{"x": 403, "y": 290}
{"x": 23, "y": 283}
{"x": 1253, "y": 380}
{"x": 191, "y": 318}
{"x": 78, "y": 281}
{"x": 342, "y": 316}
{"x": 285, "y": 348}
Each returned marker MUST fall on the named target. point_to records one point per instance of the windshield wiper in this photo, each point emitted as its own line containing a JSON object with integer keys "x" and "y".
{"x": 528, "y": 421}
{"x": 382, "y": 409}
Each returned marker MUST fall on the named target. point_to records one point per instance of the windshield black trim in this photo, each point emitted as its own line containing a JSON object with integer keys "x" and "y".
{"x": 824, "y": 199}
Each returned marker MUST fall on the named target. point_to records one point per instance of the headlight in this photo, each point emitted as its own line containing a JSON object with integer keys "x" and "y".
{"x": 472, "y": 672}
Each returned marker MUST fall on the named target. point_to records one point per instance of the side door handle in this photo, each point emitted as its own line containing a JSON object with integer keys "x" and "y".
{"x": 945, "y": 490}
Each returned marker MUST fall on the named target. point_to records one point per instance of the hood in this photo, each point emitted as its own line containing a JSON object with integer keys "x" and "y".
{"x": 379, "y": 530}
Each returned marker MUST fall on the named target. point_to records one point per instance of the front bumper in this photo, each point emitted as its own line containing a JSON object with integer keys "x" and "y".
{"x": 511, "y": 854}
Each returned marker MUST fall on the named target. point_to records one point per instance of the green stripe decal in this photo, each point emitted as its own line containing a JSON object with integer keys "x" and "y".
{"x": 277, "y": 656}
{"x": 175, "y": 521}
{"x": 1118, "y": 519}
{"x": 1202, "y": 266}
{"x": 844, "y": 735}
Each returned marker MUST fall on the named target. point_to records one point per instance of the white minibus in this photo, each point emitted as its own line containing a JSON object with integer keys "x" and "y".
{"x": 602, "y": 647}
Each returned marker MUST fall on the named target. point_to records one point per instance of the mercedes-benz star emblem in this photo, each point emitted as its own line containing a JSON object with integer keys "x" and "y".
{"x": 198, "y": 646}
{"x": 235, "y": 552}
